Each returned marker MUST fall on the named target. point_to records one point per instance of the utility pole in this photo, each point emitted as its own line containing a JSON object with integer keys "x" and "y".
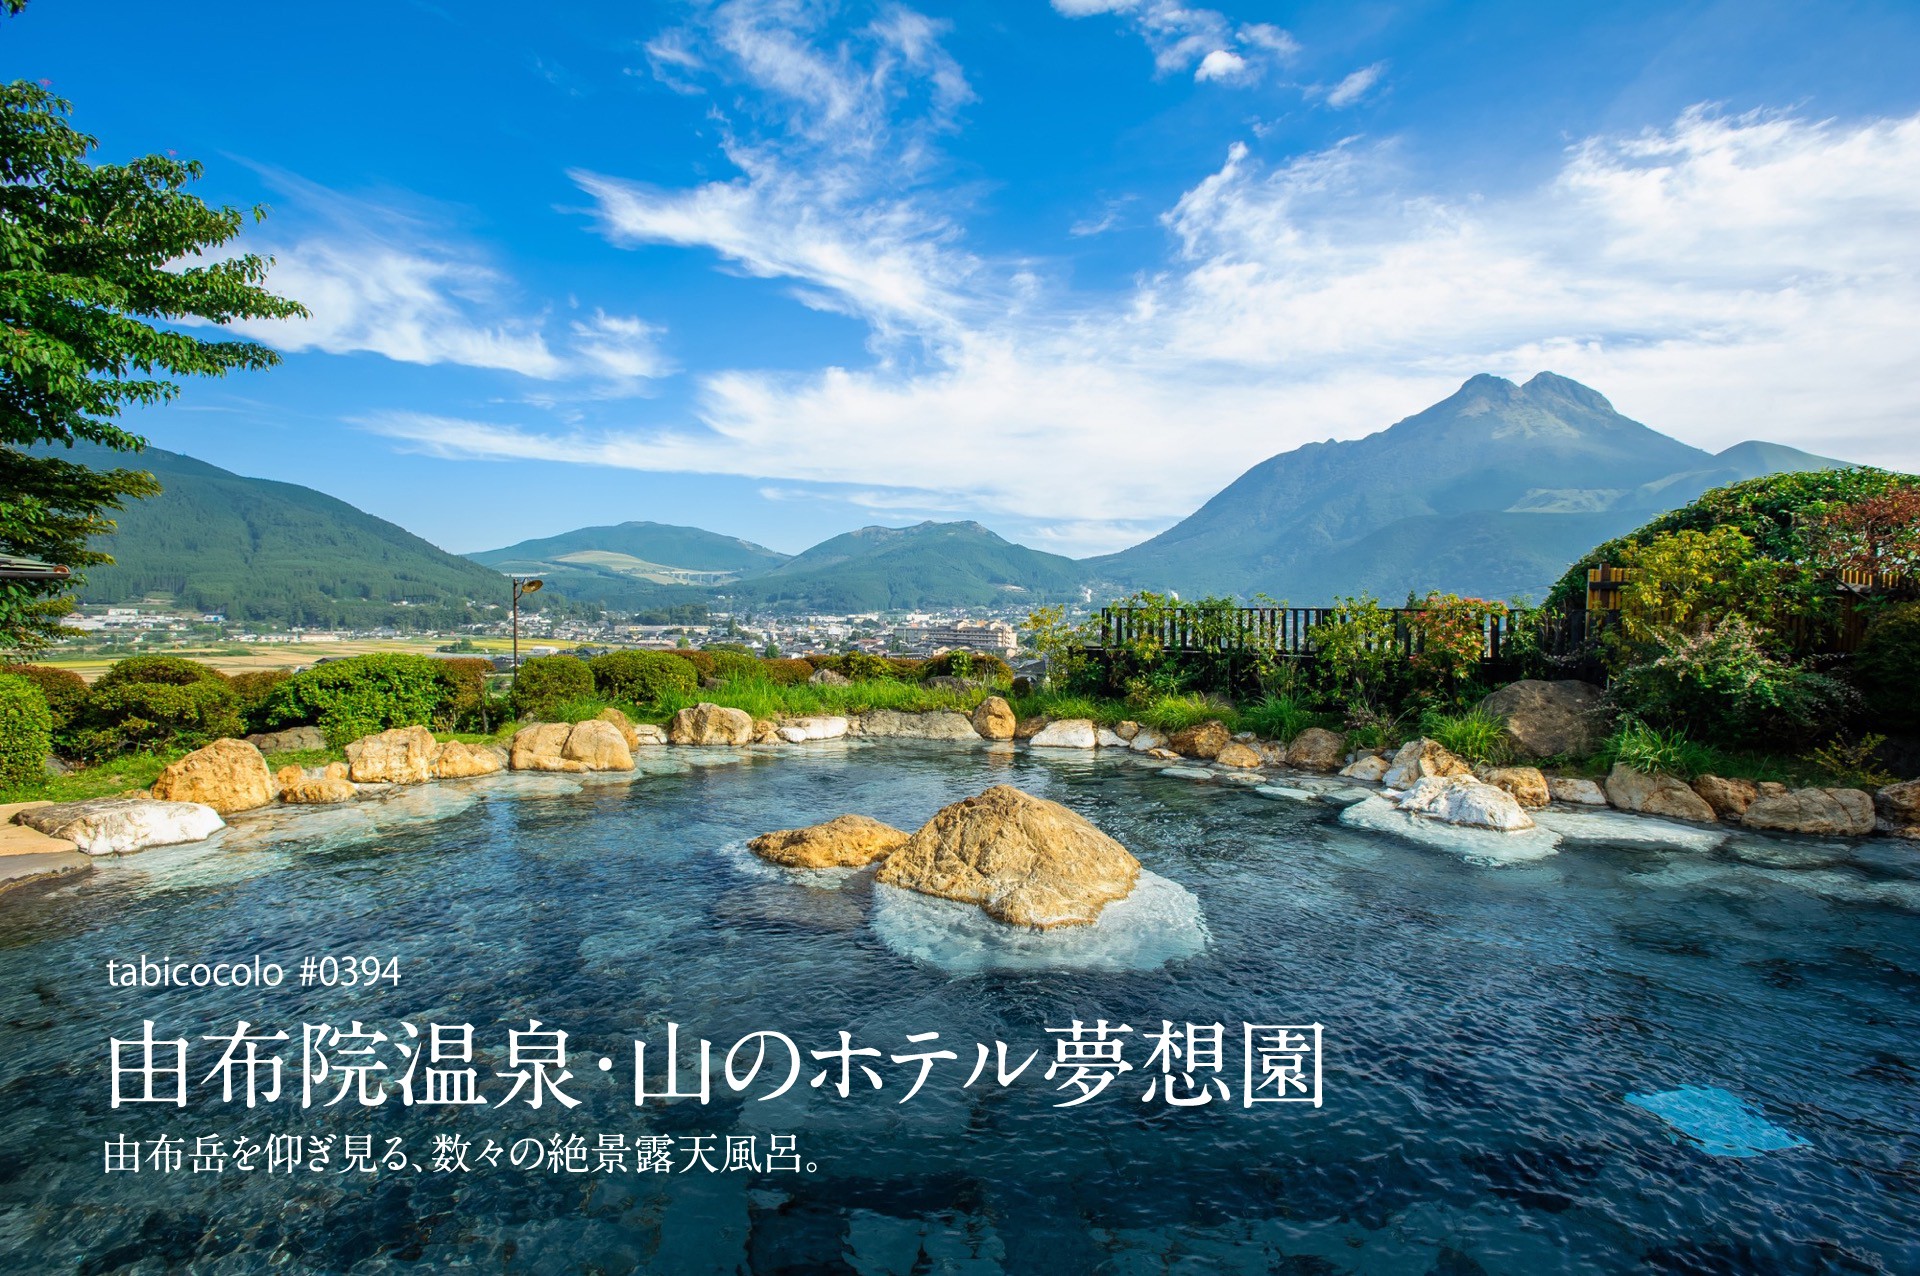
{"x": 521, "y": 585}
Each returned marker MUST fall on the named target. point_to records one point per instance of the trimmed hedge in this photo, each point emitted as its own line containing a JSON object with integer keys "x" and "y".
{"x": 787, "y": 673}
{"x": 642, "y": 677}
{"x": 253, "y": 689}
{"x": 362, "y": 695}
{"x": 65, "y": 690}
{"x": 546, "y": 682}
{"x": 26, "y": 730}
{"x": 151, "y": 702}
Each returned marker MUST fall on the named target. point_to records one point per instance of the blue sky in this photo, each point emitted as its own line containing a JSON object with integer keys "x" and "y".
{"x": 782, "y": 269}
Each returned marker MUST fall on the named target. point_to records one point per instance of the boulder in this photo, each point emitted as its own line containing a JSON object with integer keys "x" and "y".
{"x": 829, "y": 678}
{"x": 1027, "y": 728}
{"x": 1728, "y": 798}
{"x": 801, "y": 730}
{"x": 227, "y": 775}
{"x": 1549, "y": 719}
{"x": 1317, "y": 749}
{"x": 1235, "y": 754}
{"x": 1461, "y": 799}
{"x": 623, "y": 723}
{"x": 1823, "y": 812}
{"x": 119, "y": 825}
{"x": 1418, "y": 759}
{"x": 1770, "y": 788}
{"x": 597, "y": 746}
{"x": 1630, "y": 790}
{"x": 539, "y": 748}
{"x": 1203, "y": 740}
{"x": 330, "y": 785}
{"x": 1146, "y": 740}
{"x": 1575, "y": 792}
{"x": 1898, "y": 806}
{"x": 1528, "y": 786}
{"x": 647, "y": 735}
{"x": 1068, "y": 733}
{"x": 711, "y": 724}
{"x": 292, "y": 740}
{"x": 993, "y": 719}
{"x": 847, "y": 842}
{"x": 1108, "y": 738}
{"x": 1163, "y": 755}
{"x": 1026, "y": 861}
{"x": 1126, "y": 729}
{"x": 889, "y": 724}
{"x": 403, "y": 755}
{"x": 458, "y": 761}
{"x": 766, "y": 731}
{"x": 1368, "y": 767}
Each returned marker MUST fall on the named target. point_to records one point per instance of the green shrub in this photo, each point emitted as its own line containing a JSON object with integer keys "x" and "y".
{"x": 1725, "y": 686}
{"x": 980, "y": 666}
{"x": 467, "y": 701}
{"x": 735, "y": 666}
{"x": 545, "y": 682}
{"x": 1651, "y": 751}
{"x": 172, "y": 671}
{"x": 1477, "y": 736}
{"x": 362, "y": 695}
{"x": 65, "y": 691}
{"x": 701, "y": 662}
{"x": 26, "y": 730}
{"x": 862, "y": 667}
{"x": 1886, "y": 669}
{"x": 252, "y": 690}
{"x": 1280, "y": 717}
{"x": 124, "y": 717}
{"x": 787, "y": 673}
{"x": 642, "y": 677}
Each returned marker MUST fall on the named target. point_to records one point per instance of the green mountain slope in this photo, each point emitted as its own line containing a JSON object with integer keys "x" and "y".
{"x": 1491, "y": 492}
{"x": 927, "y": 565}
{"x": 260, "y": 551}
{"x": 636, "y": 564}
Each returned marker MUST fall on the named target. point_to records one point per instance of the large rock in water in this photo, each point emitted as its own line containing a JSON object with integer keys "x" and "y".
{"x": 1728, "y": 798}
{"x": 459, "y": 761}
{"x": 1067, "y": 733}
{"x": 1575, "y": 792}
{"x": 1898, "y": 806}
{"x": 801, "y": 730}
{"x": 403, "y": 755}
{"x": 1527, "y": 784}
{"x": 117, "y": 825}
{"x": 1418, "y": 759}
{"x": 1631, "y": 790}
{"x": 1317, "y": 749}
{"x": 1203, "y": 740}
{"x": 582, "y": 746}
{"x": 1026, "y": 861}
{"x": 1461, "y": 799}
{"x": 1241, "y": 756}
{"x": 993, "y": 719}
{"x": 330, "y": 786}
{"x": 711, "y": 724}
{"x": 1549, "y": 719}
{"x": 890, "y": 724}
{"x": 623, "y": 724}
{"x": 850, "y": 841}
{"x": 227, "y": 775}
{"x": 1824, "y": 812}
{"x": 1369, "y": 767}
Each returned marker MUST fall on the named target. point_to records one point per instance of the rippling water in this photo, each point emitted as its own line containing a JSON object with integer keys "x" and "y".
{"x": 1483, "y": 1025}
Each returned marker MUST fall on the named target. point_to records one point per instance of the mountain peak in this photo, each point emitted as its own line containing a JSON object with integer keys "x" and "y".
{"x": 1551, "y": 386}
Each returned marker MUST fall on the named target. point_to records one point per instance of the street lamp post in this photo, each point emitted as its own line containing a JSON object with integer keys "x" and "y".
{"x": 521, "y": 585}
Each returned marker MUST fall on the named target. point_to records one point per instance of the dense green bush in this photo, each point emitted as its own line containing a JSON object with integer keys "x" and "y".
{"x": 730, "y": 666}
{"x": 252, "y": 690}
{"x": 26, "y": 730}
{"x": 466, "y": 677}
{"x": 65, "y": 691}
{"x": 981, "y": 666}
{"x": 362, "y": 695}
{"x": 787, "y": 673}
{"x": 1886, "y": 669}
{"x": 1726, "y": 687}
{"x": 862, "y": 667}
{"x": 148, "y": 702}
{"x": 701, "y": 662}
{"x": 545, "y": 682}
{"x": 641, "y": 677}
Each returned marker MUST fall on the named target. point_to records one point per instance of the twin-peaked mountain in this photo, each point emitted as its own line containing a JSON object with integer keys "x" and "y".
{"x": 1492, "y": 492}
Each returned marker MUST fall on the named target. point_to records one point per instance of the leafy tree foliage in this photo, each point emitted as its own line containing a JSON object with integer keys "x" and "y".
{"x": 26, "y": 730}
{"x": 98, "y": 263}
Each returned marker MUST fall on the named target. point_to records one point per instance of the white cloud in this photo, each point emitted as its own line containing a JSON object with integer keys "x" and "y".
{"x": 1181, "y": 37}
{"x": 1720, "y": 279}
{"x": 1355, "y": 86}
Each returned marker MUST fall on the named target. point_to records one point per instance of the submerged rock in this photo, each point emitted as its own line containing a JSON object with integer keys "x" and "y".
{"x": 848, "y": 841}
{"x": 1658, "y": 794}
{"x": 1528, "y": 786}
{"x": 1067, "y": 733}
{"x": 1026, "y": 861}
{"x": 1728, "y": 798}
{"x": 1203, "y": 740}
{"x": 1378, "y": 814}
{"x": 1457, "y": 799}
{"x": 1418, "y": 759}
{"x": 1614, "y": 828}
{"x": 118, "y": 825}
{"x": 711, "y": 724}
{"x": 1317, "y": 749}
{"x": 1549, "y": 719}
{"x": 993, "y": 719}
{"x": 227, "y": 775}
{"x": 1823, "y": 812}
{"x": 403, "y": 755}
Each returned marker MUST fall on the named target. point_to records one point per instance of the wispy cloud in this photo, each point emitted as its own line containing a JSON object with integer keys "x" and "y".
{"x": 1205, "y": 41}
{"x": 1356, "y": 86}
{"x": 1722, "y": 278}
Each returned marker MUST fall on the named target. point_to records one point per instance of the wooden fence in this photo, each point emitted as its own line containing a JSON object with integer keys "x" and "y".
{"x": 1288, "y": 631}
